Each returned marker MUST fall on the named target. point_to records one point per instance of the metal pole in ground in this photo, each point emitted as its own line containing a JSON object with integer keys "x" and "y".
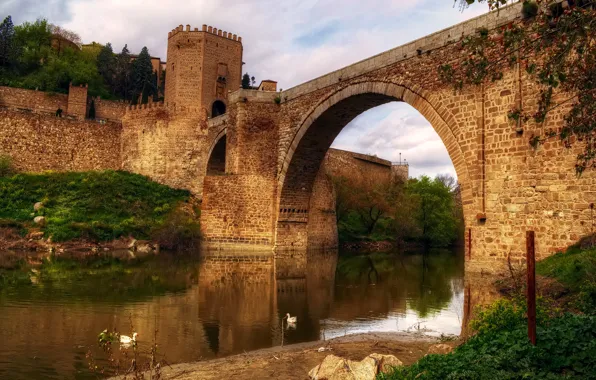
{"x": 531, "y": 288}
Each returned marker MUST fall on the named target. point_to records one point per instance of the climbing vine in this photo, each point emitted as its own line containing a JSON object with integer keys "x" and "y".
{"x": 554, "y": 43}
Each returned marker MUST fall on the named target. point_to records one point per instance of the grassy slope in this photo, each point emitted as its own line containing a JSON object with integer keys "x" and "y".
{"x": 95, "y": 205}
{"x": 574, "y": 269}
{"x": 566, "y": 345}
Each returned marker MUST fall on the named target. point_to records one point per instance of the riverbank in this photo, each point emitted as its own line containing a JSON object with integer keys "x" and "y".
{"x": 295, "y": 361}
{"x": 500, "y": 348}
{"x": 93, "y": 210}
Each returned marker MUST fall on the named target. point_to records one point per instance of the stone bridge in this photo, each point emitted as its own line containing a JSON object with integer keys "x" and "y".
{"x": 265, "y": 152}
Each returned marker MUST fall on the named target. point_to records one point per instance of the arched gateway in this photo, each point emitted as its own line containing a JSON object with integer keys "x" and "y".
{"x": 318, "y": 130}
{"x": 275, "y": 142}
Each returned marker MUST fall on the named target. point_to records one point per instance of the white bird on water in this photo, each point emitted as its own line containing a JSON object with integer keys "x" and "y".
{"x": 291, "y": 319}
{"x": 124, "y": 339}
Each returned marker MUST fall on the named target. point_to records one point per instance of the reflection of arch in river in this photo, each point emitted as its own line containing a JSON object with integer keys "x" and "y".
{"x": 244, "y": 296}
{"x": 478, "y": 291}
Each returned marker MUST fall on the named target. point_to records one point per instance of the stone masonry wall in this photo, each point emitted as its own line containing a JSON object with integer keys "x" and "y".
{"x": 77, "y": 102}
{"x": 20, "y": 99}
{"x": 111, "y": 110}
{"x": 400, "y": 172}
{"x": 203, "y": 66}
{"x": 247, "y": 220}
{"x": 357, "y": 168}
{"x": 31, "y": 100}
{"x": 322, "y": 223}
{"x": 40, "y": 142}
{"x": 168, "y": 144}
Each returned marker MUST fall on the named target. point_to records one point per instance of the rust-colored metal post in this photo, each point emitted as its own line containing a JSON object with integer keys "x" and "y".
{"x": 531, "y": 288}
{"x": 469, "y": 243}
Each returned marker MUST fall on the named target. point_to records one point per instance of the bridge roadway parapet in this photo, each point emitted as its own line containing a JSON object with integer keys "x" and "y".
{"x": 420, "y": 46}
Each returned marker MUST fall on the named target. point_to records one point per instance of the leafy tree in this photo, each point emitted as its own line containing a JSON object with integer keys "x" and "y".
{"x": 60, "y": 70}
{"x": 34, "y": 44}
{"x": 433, "y": 211}
{"x": 142, "y": 78}
{"x": 106, "y": 62}
{"x": 7, "y": 43}
{"x": 373, "y": 202}
{"x": 555, "y": 45}
{"x": 253, "y": 81}
{"x": 343, "y": 196}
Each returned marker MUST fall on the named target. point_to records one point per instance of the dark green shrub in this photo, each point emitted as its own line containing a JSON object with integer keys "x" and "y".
{"x": 586, "y": 299}
{"x": 180, "y": 231}
{"x": 529, "y": 9}
{"x": 6, "y": 167}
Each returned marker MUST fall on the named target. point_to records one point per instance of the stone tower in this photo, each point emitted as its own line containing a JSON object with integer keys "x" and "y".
{"x": 202, "y": 66}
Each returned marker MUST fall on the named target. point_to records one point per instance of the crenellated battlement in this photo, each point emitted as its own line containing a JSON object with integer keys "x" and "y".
{"x": 205, "y": 29}
{"x": 141, "y": 110}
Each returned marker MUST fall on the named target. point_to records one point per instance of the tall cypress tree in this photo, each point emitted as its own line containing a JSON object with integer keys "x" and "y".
{"x": 246, "y": 81}
{"x": 7, "y": 43}
{"x": 106, "y": 62}
{"x": 142, "y": 77}
{"x": 122, "y": 81}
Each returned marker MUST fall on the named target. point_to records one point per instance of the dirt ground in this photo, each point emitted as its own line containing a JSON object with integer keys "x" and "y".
{"x": 294, "y": 362}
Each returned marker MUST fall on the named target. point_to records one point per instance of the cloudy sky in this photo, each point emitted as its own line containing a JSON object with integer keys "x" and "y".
{"x": 290, "y": 41}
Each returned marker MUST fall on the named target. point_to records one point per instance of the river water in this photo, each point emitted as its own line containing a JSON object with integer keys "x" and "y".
{"x": 214, "y": 305}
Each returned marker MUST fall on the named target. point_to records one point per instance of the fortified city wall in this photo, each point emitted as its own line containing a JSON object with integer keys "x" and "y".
{"x": 37, "y": 142}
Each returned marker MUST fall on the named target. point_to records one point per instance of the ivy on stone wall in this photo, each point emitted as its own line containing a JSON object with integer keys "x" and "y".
{"x": 554, "y": 43}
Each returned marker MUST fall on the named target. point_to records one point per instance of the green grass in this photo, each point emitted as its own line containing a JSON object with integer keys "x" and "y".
{"x": 576, "y": 269}
{"x": 573, "y": 268}
{"x": 94, "y": 205}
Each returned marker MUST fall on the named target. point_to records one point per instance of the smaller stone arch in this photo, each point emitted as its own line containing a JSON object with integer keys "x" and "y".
{"x": 218, "y": 108}
{"x": 216, "y": 165}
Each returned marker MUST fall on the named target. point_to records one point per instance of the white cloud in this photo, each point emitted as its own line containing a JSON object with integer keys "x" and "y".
{"x": 395, "y": 128}
{"x": 290, "y": 41}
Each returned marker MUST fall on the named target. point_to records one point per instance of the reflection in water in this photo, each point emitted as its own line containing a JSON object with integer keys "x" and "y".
{"x": 229, "y": 303}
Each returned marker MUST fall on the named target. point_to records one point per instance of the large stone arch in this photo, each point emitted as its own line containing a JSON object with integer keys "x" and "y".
{"x": 319, "y": 128}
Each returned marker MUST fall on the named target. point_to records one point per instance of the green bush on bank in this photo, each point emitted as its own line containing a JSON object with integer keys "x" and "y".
{"x": 93, "y": 205}
{"x": 565, "y": 349}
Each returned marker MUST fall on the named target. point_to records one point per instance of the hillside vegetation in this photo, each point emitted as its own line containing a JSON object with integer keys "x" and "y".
{"x": 97, "y": 206}
{"x": 47, "y": 57}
